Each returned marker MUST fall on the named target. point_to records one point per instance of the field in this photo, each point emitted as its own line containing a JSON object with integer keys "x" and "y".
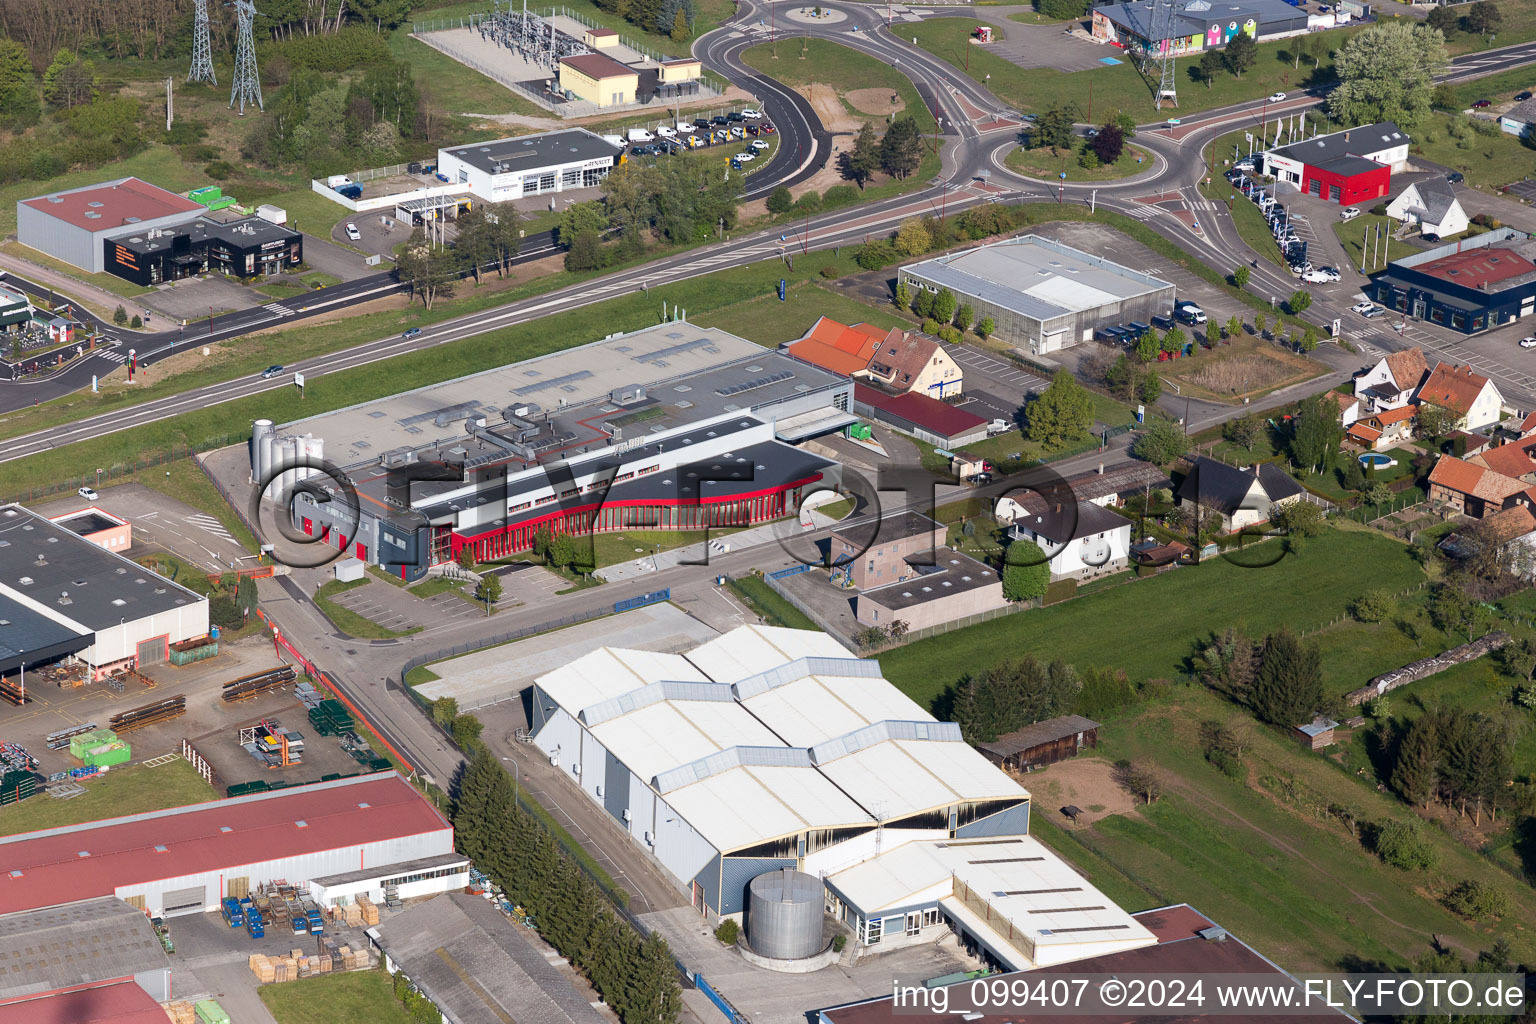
{"x": 767, "y": 321}
{"x": 766, "y": 602}
{"x": 1354, "y": 234}
{"x": 1246, "y": 367}
{"x": 1264, "y": 858}
{"x": 1150, "y": 627}
{"x": 1488, "y": 161}
{"x": 1120, "y": 87}
{"x": 1039, "y": 163}
{"x": 356, "y": 997}
{"x": 126, "y": 790}
{"x": 843, "y": 69}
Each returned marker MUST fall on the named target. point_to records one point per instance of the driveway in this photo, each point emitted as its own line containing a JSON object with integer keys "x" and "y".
{"x": 192, "y": 298}
{"x": 337, "y": 260}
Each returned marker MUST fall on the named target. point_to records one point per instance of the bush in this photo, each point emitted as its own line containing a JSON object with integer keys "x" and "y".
{"x": 839, "y": 195}
{"x": 1402, "y": 844}
{"x": 219, "y": 170}
{"x": 874, "y": 255}
{"x": 1478, "y": 901}
{"x": 808, "y": 203}
{"x": 780, "y": 201}
{"x": 930, "y": 326}
{"x": 727, "y": 932}
{"x": 136, "y": 323}
{"x": 1379, "y": 210}
{"x": 224, "y": 613}
{"x": 1372, "y": 606}
{"x": 120, "y": 316}
{"x": 950, "y": 335}
{"x": 1228, "y": 764}
{"x": 830, "y": 272}
{"x": 1482, "y": 220}
{"x": 838, "y": 942}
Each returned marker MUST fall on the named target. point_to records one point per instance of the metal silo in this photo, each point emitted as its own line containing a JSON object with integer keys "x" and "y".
{"x": 784, "y": 911}
{"x": 267, "y": 458}
{"x": 259, "y": 429}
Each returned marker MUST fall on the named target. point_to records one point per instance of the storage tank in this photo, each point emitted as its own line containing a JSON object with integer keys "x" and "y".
{"x": 268, "y": 456}
{"x": 259, "y": 430}
{"x": 784, "y": 910}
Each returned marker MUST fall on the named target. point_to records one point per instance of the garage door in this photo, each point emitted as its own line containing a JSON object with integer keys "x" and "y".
{"x": 185, "y": 901}
{"x": 152, "y": 652}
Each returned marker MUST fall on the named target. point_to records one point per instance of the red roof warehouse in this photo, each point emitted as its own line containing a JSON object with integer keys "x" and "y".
{"x": 186, "y": 859}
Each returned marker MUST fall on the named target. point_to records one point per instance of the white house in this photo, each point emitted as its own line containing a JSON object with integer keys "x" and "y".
{"x": 1089, "y": 543}
{"x": 528, "y": 165}
{"x": 1390, "y": 384}
{"x": 1472, "y": 397}
{"x": 1432, "y": 205}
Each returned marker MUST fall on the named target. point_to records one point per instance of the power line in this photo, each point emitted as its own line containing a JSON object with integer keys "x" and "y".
{"x": 247, "y": 85}
{"x": 202, "y": 47}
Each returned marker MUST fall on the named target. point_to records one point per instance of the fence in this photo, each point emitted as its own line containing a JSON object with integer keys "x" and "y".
{"x": 117, "y": 472}
{"x": 720, "y": 1001}
{"x": 811, "y": 613}
{"x": 654, "y": 597}
{"x": 199, "y": 763}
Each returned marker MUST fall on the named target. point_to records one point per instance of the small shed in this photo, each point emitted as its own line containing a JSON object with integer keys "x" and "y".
{"x": 1317, "y": 733}
{"x": 966, "y": 465}
{"x": 1043, "y": 743}
{"x": 349, "y": 570}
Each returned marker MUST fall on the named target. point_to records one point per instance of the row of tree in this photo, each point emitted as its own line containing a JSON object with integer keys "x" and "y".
{"x": 897, "y": 153}
{"x": 635, "y": 975}
{"x": 487, "y": 240}
{"x": 1460, "y": 758}
{"x": 1279, "y": 678}
{"x": 673, "y": 18}
{"x": 1020, "y": 692}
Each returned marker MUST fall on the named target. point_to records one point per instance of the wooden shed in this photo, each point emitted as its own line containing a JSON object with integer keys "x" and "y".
{"x": 1043, "y": 743}
{"x": 1316, "y": 734}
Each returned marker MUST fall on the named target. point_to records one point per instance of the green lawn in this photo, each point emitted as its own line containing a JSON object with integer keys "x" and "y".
{"x": 1517, "y": 25}
{"x": 835, "y": 509}
{"x": 1039, "y": 163}
{"x": 1166, "y": 615}
{"x": 348, "y": 621}
{"x": 803, "y": 61}
{"x": 765, "y": 601}
{"x": 1488, "y": 161}
{"x": 1120, "y": 87}
{"x": 355, "y": 997}
{"x": 127, "y": 790}
{"x": 1362, "y": 232}
{"x": 767, "y": 321}
{"x": 614, "y": 548}
{"x": 455, "y": 88}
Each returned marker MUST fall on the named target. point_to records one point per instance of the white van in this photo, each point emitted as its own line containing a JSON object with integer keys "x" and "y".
{"x": 640, "y": 135}
{"x": 666, "y": 132}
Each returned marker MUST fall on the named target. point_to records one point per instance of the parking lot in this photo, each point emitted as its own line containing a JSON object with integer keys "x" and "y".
{"x": 994, "y": 387}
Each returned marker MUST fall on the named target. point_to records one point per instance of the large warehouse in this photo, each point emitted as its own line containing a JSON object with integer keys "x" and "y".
{"x": 1195, "y": 25}
{"x": 1468, "y": 286}
{"x": 771, "y": 748}
{"x": 63, "y": 596}
{"x": 1041, "y": 293}
{"x": 672, "y": 427}
{"x": 186, "y": 859}
{"x": 75, "y": 224}
{"x": 529, "y": 165}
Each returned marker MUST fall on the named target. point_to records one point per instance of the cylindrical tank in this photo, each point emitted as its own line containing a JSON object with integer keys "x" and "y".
{"x": 259, "y": 430}
{"x": 784, "y": 910}
{"x": 268, "y": 455}
{"x": 314, "y": 451}
{"x": 288, "y": 447}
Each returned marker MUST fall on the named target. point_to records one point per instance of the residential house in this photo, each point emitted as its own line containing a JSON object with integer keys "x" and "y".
{"x": 1472, "y": 397}
{"x": 1349, "y": 407}
{"x": 1108, "y": 488}
{"x": 1474, "y": 489}
{"x": 1432, "y": 205}
{"x": 954, "y": 586}
{"x": 1382, "y": 430}
{"x": 1237, "y": 498}
{"x": 1519, "y": 119}
{"x": 1513, "y": 529}
{"x": 1080, "y": 541}
{"x": 1391, "y": 383}
{"x": 900, "y": 362}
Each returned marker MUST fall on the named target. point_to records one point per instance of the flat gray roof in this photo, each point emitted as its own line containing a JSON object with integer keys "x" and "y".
{"x": 76, "y": 944}
{"x": 403, "y": 867}
{"x": 1036, "y": 276}
{"x": 75, "y": 580}
{"x": 953, "y": 573}
{"x": 477, "y": 967}
{"x": 532, "y": 152}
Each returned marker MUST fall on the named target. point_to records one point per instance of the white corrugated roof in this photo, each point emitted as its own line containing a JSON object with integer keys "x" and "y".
{"x": 670, "y": 733}
{"x": 900, "y": 777}
{"x": 816, "y": 708}
{"x": 748, "y": 805}
{"x": 610, "y": 671}
{"x": 748, "y": 650}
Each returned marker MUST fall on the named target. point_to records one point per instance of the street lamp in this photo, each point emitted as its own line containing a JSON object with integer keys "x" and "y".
{"x": 516, "y": 778}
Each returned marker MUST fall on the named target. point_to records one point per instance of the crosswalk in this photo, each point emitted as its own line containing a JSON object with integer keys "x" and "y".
{"x": 114, "y": 356}
{"x": 203, "y": 521}
{"x": 278, "y": 308}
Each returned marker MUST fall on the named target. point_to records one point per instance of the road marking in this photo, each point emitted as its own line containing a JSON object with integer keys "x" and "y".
{"x": 278, "y": 308}
{"x": 206, "y": 522}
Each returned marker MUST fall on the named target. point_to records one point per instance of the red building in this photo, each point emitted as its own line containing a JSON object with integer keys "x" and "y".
{"x": 1347, "y": 167}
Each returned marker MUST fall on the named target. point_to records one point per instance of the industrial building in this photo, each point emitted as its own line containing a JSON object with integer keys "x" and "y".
{"x": 1351, "y": 166}
{"x": 82, "y": 944}
{"x": 598, "y": 79}
{"x": 1194, "y": 25}
{"x": 184, "y": 860}
{"x": 770, "y": 748}
{"x": 248, "y": 247}
{"x": 103, "y": 529}
{"x": 1469, "y": 286}
{"x": 463, "y": 953}
{"x": 1040, "y": 293}
{"x": 668, "y": 428}
{"x": 63, "y": 596}
{"x": 529, "y": 165}
{"x": 74, "y": 225}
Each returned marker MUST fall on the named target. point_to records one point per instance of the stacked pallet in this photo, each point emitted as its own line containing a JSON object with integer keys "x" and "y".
{"x": 180, "y": 1012}
{"x": 370, "y": 913}
{"x": 264, "y": 967}
{"x": 353, "y": 915}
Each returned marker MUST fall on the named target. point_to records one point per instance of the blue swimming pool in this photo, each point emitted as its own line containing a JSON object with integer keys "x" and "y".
{"x": 1377, "y": 459}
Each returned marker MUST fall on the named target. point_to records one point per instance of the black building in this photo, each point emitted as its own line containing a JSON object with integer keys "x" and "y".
{"x": 1469, "y": 286}
{"x": 250, "y": 247}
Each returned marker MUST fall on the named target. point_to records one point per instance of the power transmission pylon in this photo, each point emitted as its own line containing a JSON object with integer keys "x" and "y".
{"x": 1163, "y": 31}
{"x": 202, "y": 48}
{"x": 247, "y": 86}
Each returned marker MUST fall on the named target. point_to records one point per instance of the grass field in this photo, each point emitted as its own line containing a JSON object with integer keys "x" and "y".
{"x": 1120, "y": 87}
{"x": 1039, "y": 163}
{"x": 767, "y": 321}
{"x": 1353, "y": 234}
{"x": 1265, "y": 859}
{"x": 765, "y": 601}
{"x": 356, "y": 997}
{"x": 1149, "y": 628}
{"x": 844, "y": 69}
{"x": 127, "y": 790}
{"x": 1488, "y": 161}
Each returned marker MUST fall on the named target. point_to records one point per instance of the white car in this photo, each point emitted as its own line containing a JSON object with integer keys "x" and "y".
{"x": 1349, "y": 213}
{"x": 353, "y": 234}
{"x": 759, "y": 145}
{"x": 666, "y": 131}
{"x": 1363, "y": 308}
{"x": 1528, "y": 342}
{"x": 1276, "y": 97}
{"x": 746, "y": 156}
{"x": 685, "y": 128}
{"x": 1321, "y": 275}
{"x": 89, "y": 495}
{"x": 751, "y": 115}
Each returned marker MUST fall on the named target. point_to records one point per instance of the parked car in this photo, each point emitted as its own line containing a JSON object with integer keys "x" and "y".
{"x": 1276, "y": 97}
{"x": 1524, "y": 343}
{"x": 1321, "y": 275}
{"x": 1349, "y": 213}
{"x": 685, "y": 127}
{"x": 746, "y": 156}
{"x": 752, "y": 115}
{"x": 1375, "y": 311}
{"x": 271, "y": 371}
{"x": 90, "y": 495}
{"x": 701, "y": 122}
{"x": 754, "y": 130}
{"x": 1189, "y": 313}
{"x": 1480, "y": 104}
{"x": 1363, "y": 308}
{"x": 719, "y": 119}
{"x": 1138, "y": 329}
{"x": 759, "y": 145}
{"x": 1525, "y": 95}
{"x": 666, "y": 131}
{"x": 738, "y": 132}
{"x": 352, "y": 233}
{"x": 411, "y": 332}
{"x": 1163, "y": 323}
{"x": 1430, "y": 236}
{"x": 1456, "y": 178}
{"x": 768, "y": 129}
{"x": 735, "y": 116}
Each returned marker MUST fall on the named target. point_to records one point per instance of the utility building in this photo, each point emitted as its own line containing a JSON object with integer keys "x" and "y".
{"x": 75, "y": 224}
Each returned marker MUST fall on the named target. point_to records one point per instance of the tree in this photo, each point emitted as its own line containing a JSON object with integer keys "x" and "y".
{"x": 780, "y": 201}
{"x": 1240, "y": 276}
{"x": 1211, "y": 65}
{"x": 578, "y": 217}
{"x": 1373, "y": 606}
{"x": 1173, "y": 340}
{"x": 985, "y": 327}
{"x": 136, "y": 322}
{"x": 680, "y": 27}
{"x": 543, "y": 540}
{"x": 1447, "y": 21}
{"x": 488, "y": 589}
{"x": 1109, "y": 143}
{"x": 586, "y": 252}
{"x": 1061, "y": 413}
{"x": 912, "y": 238}
{"x": 1386, "y": 73}
{"x": 19, "y": 106}
{"x": 1054, "y": 128}
{"x": 963, "y": 316}
{"x": 1402, "y": 845}
{"x": 1245, "y": 431}
{"x": 1435, "y": 420}
{"x": 1240, "y": 54}
{"x": 1479, "y": 900}
{"x": 466, "y": 731}
{"x": 1288, "y": 689}
{"x": 901, "y": 151}
{"x": 1299, "y": 519}
{"x": 864, "y": 158}
{"x": 1318, "y": 433}
{"x": 426, "y": 270}
{"x": 1299, "y": 302}
{"x": 1376, "y": 494}
{"x": 1482, "y": 18}
{"x": 466, "y": 557}
{"x": 944, "y": 305}
{"x": 69, "y": 80}
{"x": 1453, "y": 611}
{"x": 1026, "y": 572}
{"x": 120, "y": 316}
{"x": 1228, "y": 663}
{"x": 445, "y": 710}
{"x": 1146, "y": 347}
{"x": 1064, "y": 9}
{"x": 1161, "y": 442}
{"x": 1140, "y": 778}
{"x": 903, "y": 296}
